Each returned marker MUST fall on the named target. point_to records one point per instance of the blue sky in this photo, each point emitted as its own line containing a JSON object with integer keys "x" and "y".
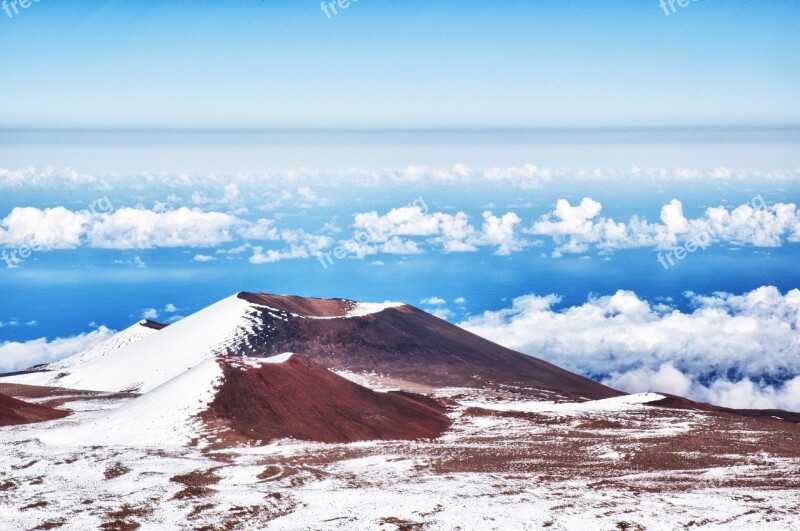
{"x": 400, "y": 64}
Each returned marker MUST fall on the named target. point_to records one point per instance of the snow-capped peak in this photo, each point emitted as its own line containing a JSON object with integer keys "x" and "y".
{"x": 157, "y": 358}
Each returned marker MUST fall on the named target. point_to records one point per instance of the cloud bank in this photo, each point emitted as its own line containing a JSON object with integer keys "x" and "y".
{"x": 738, "y": 351}
{"x": 452, "y": 232}
{"x": 409, "y": 230}
{"x": 577, "y": 229}
{"x": 17, "y": 356}
{"x": 525, "y": 177}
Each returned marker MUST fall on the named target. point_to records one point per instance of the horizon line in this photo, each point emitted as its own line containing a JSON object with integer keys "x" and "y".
{"x": 226, "y": 129}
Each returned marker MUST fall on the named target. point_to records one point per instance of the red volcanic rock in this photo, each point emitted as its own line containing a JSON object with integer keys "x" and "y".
{"x": 305, "y": 306}
{"x": 14, "y": 412}
{"x": 403, "y": 343}
{"x": 679, "y": 402}
{"x": 147, "y": 323}
{"x": 300, "y": 399}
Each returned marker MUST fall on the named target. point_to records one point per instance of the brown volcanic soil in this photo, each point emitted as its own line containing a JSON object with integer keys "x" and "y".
{"x": 305, "y": 306}
{"x": 678, "y": 402}
{"x": 403, "y": 343}
{"x": 301, "y": 399}
{"x": 14, "y": 412}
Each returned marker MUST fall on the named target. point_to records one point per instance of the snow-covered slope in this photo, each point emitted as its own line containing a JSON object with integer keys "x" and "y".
{"x": 141, "y": 361}
{"x": 141, "y": 358}
{"x": 121, "y": 340}
{"x": 166, "y": 416}
{"x": 156, "y": 359}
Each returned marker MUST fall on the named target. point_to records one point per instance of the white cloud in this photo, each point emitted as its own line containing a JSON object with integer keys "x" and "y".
{"x": 231, "y": 194}
{"x": 499, "y": 232}
{"x": 54, "y": 228}
{"x": 199, "y": 199}
{"x": 302, "y": 244}
{"x": 732, "y": 350}
{"x": 150, "y": 313}
{"x": 441, "y": 313}
{"x": 309, "y": 198}
{"x": 203, "y": 258}
{"x": 433, "y": 301}
{"x": 263, "y": 229}
{"x": 453, "y": 232}
{"x": 396, "y": 245}
{"x": 672, "y": 216}
{"x": 236, "y": 250}
{"x": 526, "y": 176}
{"x": 18, "y": 356}
{"x": 30, "y": 177}
{"x": 569, "y": 220}
{"x": 270, "y": 256}
{"x": 129, "y": 228}
{"x": 576, "y": 229}
{"x": 170, "y": 308}
{"x": 666, "y": 379}
{"x": 358, "y": 249}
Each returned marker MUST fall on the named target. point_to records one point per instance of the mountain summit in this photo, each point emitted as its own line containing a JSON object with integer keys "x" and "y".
{"x": 403, "y": 343}
{"x": 406, "y": 346}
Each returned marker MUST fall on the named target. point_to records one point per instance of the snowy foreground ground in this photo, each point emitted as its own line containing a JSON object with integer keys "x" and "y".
{"x": 615, "y": 464}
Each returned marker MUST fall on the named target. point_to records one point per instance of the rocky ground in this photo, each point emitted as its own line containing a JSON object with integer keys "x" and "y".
{"x": 505, "y": 463}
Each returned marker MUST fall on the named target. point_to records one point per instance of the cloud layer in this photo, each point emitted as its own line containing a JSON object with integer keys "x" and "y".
{"x": 16, "y": 356}
{"x": 453, "y": 232}
{"x": 409, "y": 230}
{"x": 576, "y": 229}
{"x": 525, "y": 177}
{"x": 731, "y": 350}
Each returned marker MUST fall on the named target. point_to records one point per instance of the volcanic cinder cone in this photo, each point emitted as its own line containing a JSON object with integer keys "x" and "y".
{"x": 298, "y": 398}
{"x": 403, "y": 342}
{"x": 237, "y": 400}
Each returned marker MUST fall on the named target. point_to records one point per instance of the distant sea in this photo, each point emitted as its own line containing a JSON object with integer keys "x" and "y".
{"x": 69, "y": 292}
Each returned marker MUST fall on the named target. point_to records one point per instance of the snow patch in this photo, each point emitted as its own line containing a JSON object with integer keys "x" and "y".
{"x": 360, "y": 309}
{"x": 280, "y": 358}
{"x": 245, "y": 363}
{"x": 619, "y": 403}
